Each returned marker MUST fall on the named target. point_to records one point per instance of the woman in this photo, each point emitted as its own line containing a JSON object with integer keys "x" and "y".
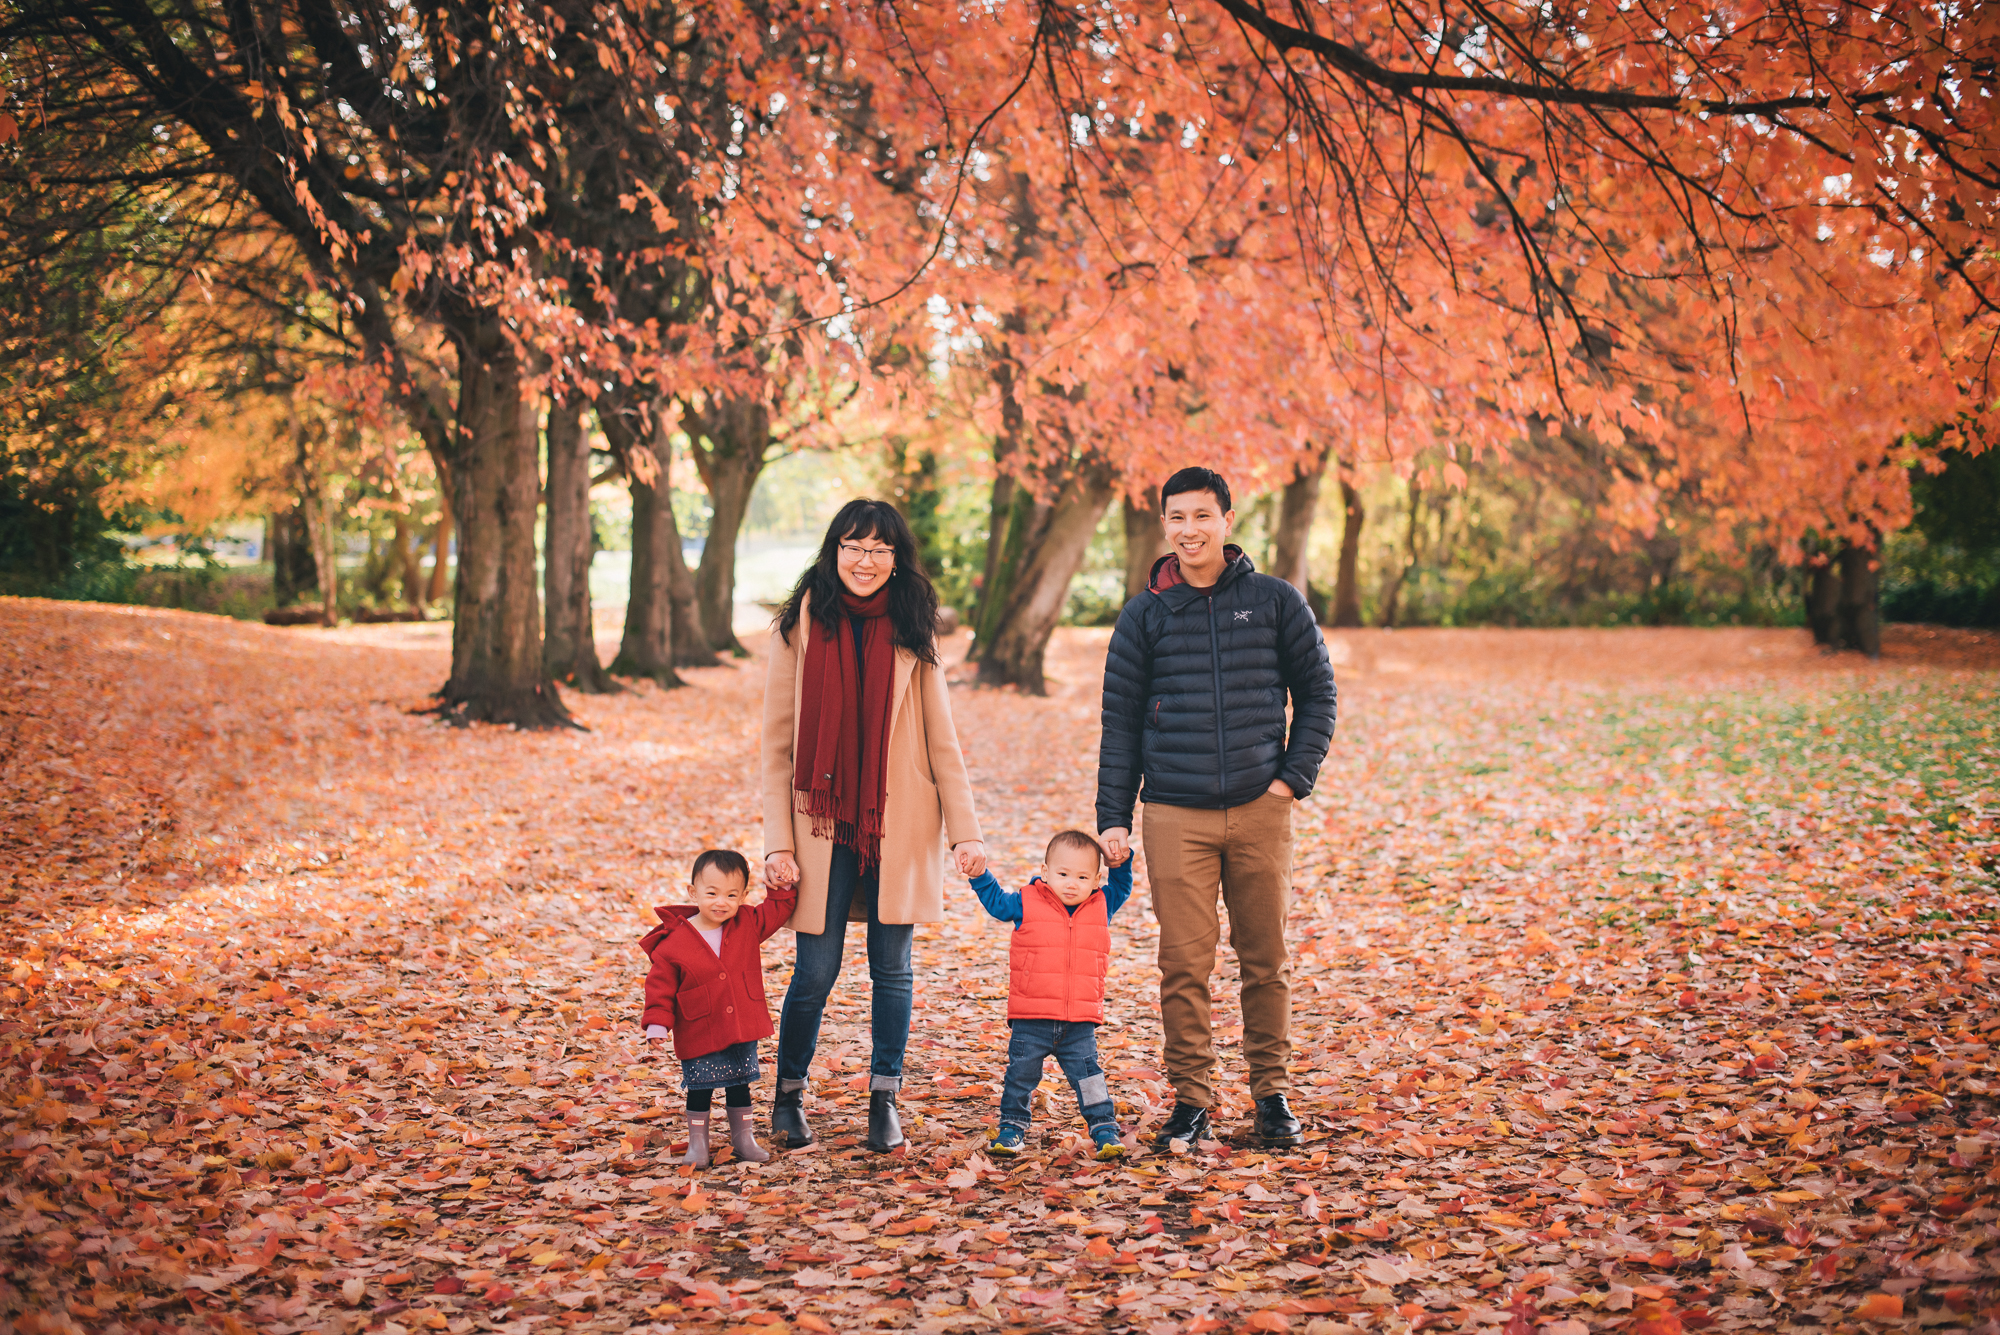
{"x": 862, "y": 775}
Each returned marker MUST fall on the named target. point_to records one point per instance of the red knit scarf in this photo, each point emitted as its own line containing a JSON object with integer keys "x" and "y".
{"x": 840, "y": 772}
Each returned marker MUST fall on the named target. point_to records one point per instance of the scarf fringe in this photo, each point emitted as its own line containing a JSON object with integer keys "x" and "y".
{"x": 821, "y": 805}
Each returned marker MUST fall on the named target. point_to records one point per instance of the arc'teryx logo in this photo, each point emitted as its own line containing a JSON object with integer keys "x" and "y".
{"x": 1242, "y": 616}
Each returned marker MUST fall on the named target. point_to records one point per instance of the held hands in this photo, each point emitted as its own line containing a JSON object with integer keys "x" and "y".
{"x": 781, "y": 870}
{"x": 1117, "y": 846}
{"x": 971, "y": 856}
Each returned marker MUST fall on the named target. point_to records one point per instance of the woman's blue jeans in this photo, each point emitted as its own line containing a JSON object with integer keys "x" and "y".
{"x": 817, "y": 966}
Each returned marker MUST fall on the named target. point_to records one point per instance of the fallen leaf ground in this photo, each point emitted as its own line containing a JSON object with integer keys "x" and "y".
{"x": 1641, "y": 985}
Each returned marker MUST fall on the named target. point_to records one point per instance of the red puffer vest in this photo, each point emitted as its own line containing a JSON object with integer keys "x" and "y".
{"x": 1059, "y": 958}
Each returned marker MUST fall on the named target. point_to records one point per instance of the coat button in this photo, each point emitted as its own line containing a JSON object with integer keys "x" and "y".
{"x": 729, "y": 1010}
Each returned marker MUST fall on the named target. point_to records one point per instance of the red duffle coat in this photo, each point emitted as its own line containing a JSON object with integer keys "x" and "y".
{"x": 711, "y": 1001}
{"x": 1059, "y": 959}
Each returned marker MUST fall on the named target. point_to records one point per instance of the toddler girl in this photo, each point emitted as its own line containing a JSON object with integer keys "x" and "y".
{"x": 706, "y": 989}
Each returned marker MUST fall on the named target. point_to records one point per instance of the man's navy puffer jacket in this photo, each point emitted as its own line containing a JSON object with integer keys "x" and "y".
{"x": 1195, "y": 688}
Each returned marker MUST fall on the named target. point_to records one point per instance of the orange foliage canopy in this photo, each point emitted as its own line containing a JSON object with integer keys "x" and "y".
{"x": 1746, "y": 247}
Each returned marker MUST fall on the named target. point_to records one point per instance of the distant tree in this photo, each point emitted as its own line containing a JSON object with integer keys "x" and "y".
{"x": 407, "y": 154}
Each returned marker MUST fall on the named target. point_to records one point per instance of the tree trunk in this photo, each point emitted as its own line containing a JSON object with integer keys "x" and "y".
{"x": 1295, "y": 519}
{"x": 1014, "y": 530}
{"x": 569, "y": 648}
{"x": 1145, "y": 544}
{"x": 1392, "y": 585}
{"x": 690, "y": 641}
{"x": 662, "y": 622}
{"x": 377, "y": 566}
{"x": 409, "y": 570}
{"x": 328, "y": 553}
{"x": 1823, "y": 604}
{"x": 496, "y": 637}
{"x": 647, "y": 649}
{"x": 737, "y": 432}
{"x": 1041, "y": 580}
{"x": 315, "y": 517}
{"x": 1861, "y": 600}
{"x": 440, "y": 550}
{"x": 1347, "y": 583}
{"x": 294, "y": 568}
{"x": 1010, "y": 506}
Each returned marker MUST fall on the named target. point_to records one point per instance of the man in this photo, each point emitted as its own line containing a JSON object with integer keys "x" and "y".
{"x": 1194, "y": 707}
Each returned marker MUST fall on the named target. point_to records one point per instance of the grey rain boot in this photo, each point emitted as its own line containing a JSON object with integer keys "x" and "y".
{"x": 743, "y": 1137}
{"x": 697, "y": 1140}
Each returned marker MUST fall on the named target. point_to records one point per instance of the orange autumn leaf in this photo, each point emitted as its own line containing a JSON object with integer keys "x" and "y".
{"x": 1879, "y": 1307}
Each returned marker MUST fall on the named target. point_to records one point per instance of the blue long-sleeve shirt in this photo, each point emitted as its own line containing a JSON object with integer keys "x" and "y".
{"x": 1006, "y": 904}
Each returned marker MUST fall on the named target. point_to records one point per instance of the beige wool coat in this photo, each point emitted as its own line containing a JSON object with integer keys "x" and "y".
{"x": 929, "y": 800}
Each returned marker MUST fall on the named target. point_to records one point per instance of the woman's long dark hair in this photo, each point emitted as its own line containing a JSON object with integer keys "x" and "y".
{"x": 913, "y": 600}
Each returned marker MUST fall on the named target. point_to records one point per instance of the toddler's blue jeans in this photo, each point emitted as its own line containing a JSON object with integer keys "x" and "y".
{"x": 1074, "y": 1046}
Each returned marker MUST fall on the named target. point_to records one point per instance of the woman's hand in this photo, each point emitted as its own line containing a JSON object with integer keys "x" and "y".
{"x": 1281, "y": 788}
{"x": 1117, "y": 845}
{"x": 971, "y": 857}
{"x": 781, "y": 870}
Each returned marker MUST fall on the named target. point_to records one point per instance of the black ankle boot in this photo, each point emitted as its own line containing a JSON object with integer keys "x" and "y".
{"x": 885, "y": 1128}
{"x": 1185, "y": 1130}
{"x": 788, "y": 1120}
{"x": 1276, "y": 1125}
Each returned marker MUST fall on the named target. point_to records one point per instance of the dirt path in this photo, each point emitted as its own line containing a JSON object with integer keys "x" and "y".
{"x": 1640, "y": 983}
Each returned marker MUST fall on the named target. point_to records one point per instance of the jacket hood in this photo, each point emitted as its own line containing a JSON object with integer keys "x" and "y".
{"x": 1167, "y": 570}
{"x": 671, "y": 917}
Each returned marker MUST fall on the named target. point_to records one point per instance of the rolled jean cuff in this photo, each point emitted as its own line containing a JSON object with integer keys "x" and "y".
{"x": 879, "y": 1084}
{"x": 787, "y": 1086}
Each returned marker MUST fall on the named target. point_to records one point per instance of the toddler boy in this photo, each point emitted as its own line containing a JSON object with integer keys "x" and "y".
{"x": 1055, "y": 996}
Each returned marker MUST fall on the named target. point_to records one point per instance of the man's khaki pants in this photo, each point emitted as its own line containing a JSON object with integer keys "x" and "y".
{"x": 1246, "y": 852}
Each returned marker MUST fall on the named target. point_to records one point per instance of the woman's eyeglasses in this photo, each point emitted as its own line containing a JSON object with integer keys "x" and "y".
{"x": 867, "y": 556}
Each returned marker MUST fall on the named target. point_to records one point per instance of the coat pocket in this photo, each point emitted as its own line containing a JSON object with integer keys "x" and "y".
{"x": 695, "y": 1003}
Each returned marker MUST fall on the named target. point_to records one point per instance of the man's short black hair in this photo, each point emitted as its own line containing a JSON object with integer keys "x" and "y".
{"x": 725, "y": 860}
{"x": 1196, "y": 479}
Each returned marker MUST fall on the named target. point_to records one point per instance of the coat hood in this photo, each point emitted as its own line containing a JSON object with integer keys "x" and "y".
{"x": 671, "y": 916}
{"x": 1167, "y": 570}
